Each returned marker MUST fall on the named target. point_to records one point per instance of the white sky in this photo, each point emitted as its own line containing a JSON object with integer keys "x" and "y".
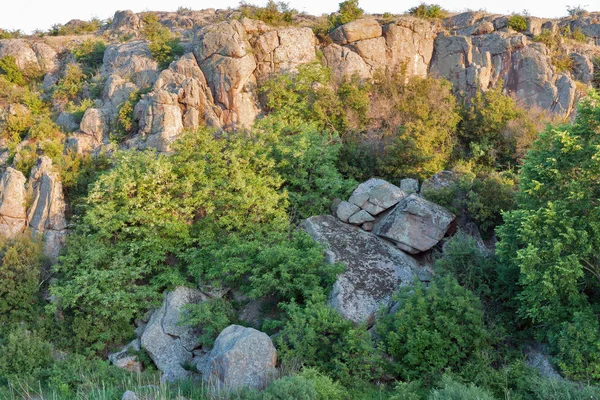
{"x": 28, "y": 15}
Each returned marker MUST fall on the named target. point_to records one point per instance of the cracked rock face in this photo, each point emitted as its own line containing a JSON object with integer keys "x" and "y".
{"x": 169, "y": 344}
{"x": 241, "y": 357}
{"x": 13, "y": 215}
{"x": 47, "y": 212}
{"x": 375, "y": 269}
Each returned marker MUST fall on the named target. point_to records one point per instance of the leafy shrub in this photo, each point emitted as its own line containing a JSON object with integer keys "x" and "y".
{"x": 290, "y": 387}
{"x": 433, "y": 329}
{"x": 77, "y": 28}
{"x": 317, "y": 336}
{"x": 289, "y": 267}
{"x": 428, "y": 11}
{"x": 20, "y": 275}
{"x": 163, "y": 45}
{"x": 78, "y": 110}
{"x": 453, "y": 390}
{"x": 326, "y": 388}
{"x": 212, "y": 315}
{"x": 349, "y": 11}
{"x": 578, "y": 345}
{"x": 9, "y": 68}
{"x": 14, "y": 34}
{"x": 554, "y": 389}
{"x": 577, "y": 11}
{"x": 490, "y": 195}
{"x": 273, "y": 13}
{"x": 23, "y": 355}
{"x": 126, "y": 123}
{"x": 518, "y": 23}
{"x": 70, "y": 84}
{"x": 90, "y": 54}
{"x": 563, "y": 63}
{"x": 553, "y": 41}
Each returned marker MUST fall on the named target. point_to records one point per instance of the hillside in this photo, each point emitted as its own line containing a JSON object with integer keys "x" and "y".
{"x": 256, "y": 203}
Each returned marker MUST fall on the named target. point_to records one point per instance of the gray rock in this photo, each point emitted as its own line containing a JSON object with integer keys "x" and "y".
{"x": 345, "y": 210}
{"x": 537, "y": 358}
{"x": 361, "y": 194}
{"x": 131, "y": 60}
{"x": 409, "y": 185}
{"x": 361, "y": 217}
{"x": 125, "y": 22}
{"x": 361, "y": 29}
{"x": 13, "y": 215}
{"x": 241, "y": 357}
{"x": 67, "y": 121}
{"x": 123, "y": 359}
{"x": 439, "y": 181}
{"x": 129, "y": 395}
{"x": 376, "y": 196}
{"x": 415, "y": 224}
{"x": 169, "y": 344}
{"x": 374, "y": 268}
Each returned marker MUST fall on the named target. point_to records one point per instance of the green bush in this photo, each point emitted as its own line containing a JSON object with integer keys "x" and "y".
{"x": 69, "y": 86}
{"x": 289, "y": 267}
{"x": 563, "y": 62}
{"x": 453, "y": 390}
{"x": 326, "y": 388}
{"x": 428, "y": 11}
{"x": 489, "y": 197}
{"x": 212, "y": 315}
{"x": 90, "y": 55}
{"x": 290, "y": 387}
{"x": 435, "y": 328}
{"x": 317, "y": 336}
{"x": 553, "y": 41}
{"x": 553, "y": 389}
{"x": 10, "y": 70}
{"x": 518, "y": 23}
{"x": 24, "y": 356}
{"x": 78, "y": 28}
{"x": 349, "y": 11}
{"x": 164, "y": 46}
{"x": 20, "y": 275}
{"x": 273, "y": 13}
{"x": 126, "y": 123}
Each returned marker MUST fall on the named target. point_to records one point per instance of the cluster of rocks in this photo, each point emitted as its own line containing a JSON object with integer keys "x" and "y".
{"x": 240, "y": 357}
{"x": 36, "y": 203}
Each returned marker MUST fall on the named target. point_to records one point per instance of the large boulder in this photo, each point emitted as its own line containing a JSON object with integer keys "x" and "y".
{"x": 13, "y": 215}
{"x": 361, "y": 29}
{"x": 375, "y": 269}
{"x": 125, "y": 22}
{"x": 169, "y": 344}
{"x": 131, "y": 60}
{"x": 47, "y": 212}
{"x": 415, "y": 224}
{"x": 345, "y": 63}
{"x": 225, "y": 57}
{"x": 376, "y": 195}
{"x": 21, "y": 50}
{"x": 283, "y": 50}
{"x": 410, "y": 45}
{"x": 241, "y": 357}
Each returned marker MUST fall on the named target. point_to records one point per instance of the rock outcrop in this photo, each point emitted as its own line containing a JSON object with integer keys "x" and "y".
{"x": 13, "y": 215}
{"x": 46, "y": 215}
{"x": 125, "y": 360}
{"x": 169, "y": 344}
{"x": 241, "y": 357}
{"x": 375, "y": 269}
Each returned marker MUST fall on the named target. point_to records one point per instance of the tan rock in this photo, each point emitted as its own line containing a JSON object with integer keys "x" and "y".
{"x": 12, "y": 203}
{"x": 361, "y": 29}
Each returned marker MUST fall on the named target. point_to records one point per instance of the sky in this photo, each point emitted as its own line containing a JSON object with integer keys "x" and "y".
{"x": 29, "y": 15}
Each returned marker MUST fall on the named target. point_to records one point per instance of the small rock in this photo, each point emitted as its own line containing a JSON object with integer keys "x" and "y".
{"x": 129, "y": 395}
{"x": 345, "y": 210}
{"x": 409, "y": 185}
{"x": 367, "y": 226}
{"x": 361, "y": 217}
{"x": 123, "y": 359}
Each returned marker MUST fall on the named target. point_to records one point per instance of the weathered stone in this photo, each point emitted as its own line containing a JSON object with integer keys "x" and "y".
{"x": 409, "y": 185}
{"x": 123, "y": 359}
{"x": 415, "y": 224}
{"x": 125, "y": 22}
{"x": 361, "y": 194}
{"x": 374, "y": 268}
{"x": 538, "y": 359}
{"x": 67, "y": 121}
{"x": 345, "y": 62}
{"x": 361, "y": 217}
{"x": 21, "y": 51}
{"x": 241, "y": 357}
{"x": 439, "y": 181}
{"x": 367, "y": 226}
{"x": 131, "y": 60}
{"x": 376, "y": 196}
{"x": 47, "y": 211}
{"x": 222, "y": 51}
{"x": 12, "y": 203}
{"x": 410, "y": 45}
{"x": 345, "y": 210}
{"x": 129, "y": 395}
{"x": 168, "y": 343}
{"x": 95, "y": 123}
{"x": 361, "y": 29}
{"x": 583, "y": 68}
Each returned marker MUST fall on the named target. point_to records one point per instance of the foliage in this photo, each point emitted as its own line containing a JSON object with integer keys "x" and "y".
{"x": 349, "y": 11}
{"x": 563, "y": 63}
{"x": 20, "y": 275}
{"x": 553, "y": 41}
{"x": 517, "y": 22}
{"x": 273, "y": 13}
{"x": 318, "y": 336}
{"x": 77, "y": 28}
{"x": 23, "y": 354}
{"x": 138, "y": 218}
{"x": 326, "y": 388}
{"x": 453, "y": 390}
{"x": 306, "y": 160}
{"x": 289, "y": 267}
{"x": 126, "y": 123}
{"x": 428, "y": 11}
{"x": 212, "y": 315}
{"x": 494, "y": 131}
{"x": 491, "y": 195}
{"x": 70, "y": 84}
{"x": 9, "y": 68}
{"x": 433, "y": 329}
{"x": 290, "y": 387}
{"x": 13, "y": 34}
{"x": 78, "y": 110}
{"x": 90, "y": 55}
{"x": 578, "y": 347}
{"x": 577, "y": 11}
{"x": 164, "y": 46}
